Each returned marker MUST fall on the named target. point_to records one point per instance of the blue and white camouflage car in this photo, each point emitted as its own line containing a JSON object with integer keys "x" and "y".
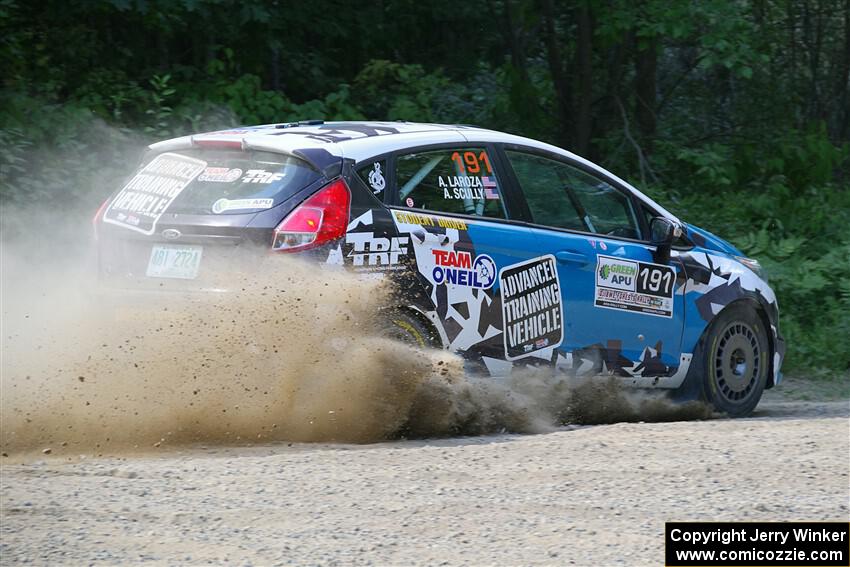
{"x": 509, "y": 251}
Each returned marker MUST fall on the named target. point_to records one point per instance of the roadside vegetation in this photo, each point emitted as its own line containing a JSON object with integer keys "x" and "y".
{"x": 734, "y": 114}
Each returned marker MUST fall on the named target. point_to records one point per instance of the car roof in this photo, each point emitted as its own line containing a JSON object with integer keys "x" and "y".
{"x": 361, "y": 140}
{"x": 352, "y": 140}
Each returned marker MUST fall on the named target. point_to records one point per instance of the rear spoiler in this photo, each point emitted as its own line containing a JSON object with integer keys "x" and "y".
{"x": 318, "y": 157}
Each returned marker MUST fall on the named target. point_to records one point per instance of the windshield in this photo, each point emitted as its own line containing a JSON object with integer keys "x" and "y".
{"x": 237, "y": 182}
{"x": 203, "y": 182}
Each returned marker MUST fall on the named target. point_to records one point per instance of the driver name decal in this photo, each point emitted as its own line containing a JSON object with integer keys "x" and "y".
{"x": 531, "y": 307}
{"x": 140, "y": 203}
{"x": 640, "y": 287}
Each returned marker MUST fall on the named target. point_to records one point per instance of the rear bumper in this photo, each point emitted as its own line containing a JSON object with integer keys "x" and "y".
{"x": 110, "y": 293}
{"x": 253, "y": 275}
{"x": 124, "y": 304}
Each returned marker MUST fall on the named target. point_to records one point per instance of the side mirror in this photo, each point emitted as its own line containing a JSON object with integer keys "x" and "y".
{"x": 662, "y": 232}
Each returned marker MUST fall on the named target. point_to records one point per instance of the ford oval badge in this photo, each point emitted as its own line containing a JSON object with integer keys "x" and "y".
{"x": 171, "y": 234}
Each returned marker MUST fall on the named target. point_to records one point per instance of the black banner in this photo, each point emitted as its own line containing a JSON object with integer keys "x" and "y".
{"x": 757, "y": 544}
{"x": 531, "y": 307}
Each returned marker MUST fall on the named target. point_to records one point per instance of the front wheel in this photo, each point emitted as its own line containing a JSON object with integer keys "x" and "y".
{"x": 736, "y": 361}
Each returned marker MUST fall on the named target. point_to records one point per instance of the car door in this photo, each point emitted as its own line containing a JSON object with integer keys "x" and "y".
{"x": 451, "y": 204}
{"x": 623, "y": 312}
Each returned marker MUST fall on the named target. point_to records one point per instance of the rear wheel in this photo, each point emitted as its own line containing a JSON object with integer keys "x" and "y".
{"x": 736, "y": 361}
{"x": 404, "y": 326}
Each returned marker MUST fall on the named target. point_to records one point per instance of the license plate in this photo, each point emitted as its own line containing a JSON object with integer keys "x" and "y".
{"x": 180, "y": 262}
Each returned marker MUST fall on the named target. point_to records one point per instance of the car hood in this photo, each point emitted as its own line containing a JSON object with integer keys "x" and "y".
{"x": 705, "y": 239}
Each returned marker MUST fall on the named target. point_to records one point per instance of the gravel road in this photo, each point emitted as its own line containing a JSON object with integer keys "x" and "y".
{"x": 594, "y": 495}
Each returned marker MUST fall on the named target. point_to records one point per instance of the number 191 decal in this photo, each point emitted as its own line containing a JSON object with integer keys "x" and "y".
{"x": 634, "y": 286}
{"x": 655, "y": 279}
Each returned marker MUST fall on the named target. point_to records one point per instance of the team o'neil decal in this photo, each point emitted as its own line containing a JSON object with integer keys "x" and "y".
{"x": 458, "y": 268}
{"x": 220, "y": 175}
{"x": 640, "y": 287}
{"x": 531, "y": 307}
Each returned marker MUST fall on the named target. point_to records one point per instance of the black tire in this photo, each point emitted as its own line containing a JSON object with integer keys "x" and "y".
{"x": 405, "y": 326}
{"x": 736, "y": 361}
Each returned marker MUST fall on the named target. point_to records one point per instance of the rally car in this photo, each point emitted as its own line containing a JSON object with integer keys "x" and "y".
{"x": 511, "y": 252}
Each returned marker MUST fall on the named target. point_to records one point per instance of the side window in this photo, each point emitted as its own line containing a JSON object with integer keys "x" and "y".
{"x": 460, "y": 181}
{"x": 648, "y": 214}
{"x": 609, "y": 211}
{"x": 374, "y": 175}
{"x": 543, "y": 184}
{"x": 563, "y": 196}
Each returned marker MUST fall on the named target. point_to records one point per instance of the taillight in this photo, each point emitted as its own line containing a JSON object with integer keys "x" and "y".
{"x": 97, "y": 216}
{"x": 320, "y": 219}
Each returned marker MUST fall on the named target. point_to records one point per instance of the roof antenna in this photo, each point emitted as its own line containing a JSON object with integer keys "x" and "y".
{"x": 300, "y": 123}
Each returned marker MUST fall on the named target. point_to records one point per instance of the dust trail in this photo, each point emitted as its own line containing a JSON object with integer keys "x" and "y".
{"x": 288, "y": 356}
{"x": 533, "y": 400}
{"x": 293, "y": 354}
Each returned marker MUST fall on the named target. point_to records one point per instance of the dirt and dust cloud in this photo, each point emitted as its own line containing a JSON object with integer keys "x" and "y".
{"x": 289, "y": 354}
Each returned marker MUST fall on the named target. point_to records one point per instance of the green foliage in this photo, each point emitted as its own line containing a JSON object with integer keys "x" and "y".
{"x": 159, "y": 112}
{"x": 748, "y": 134}
{"x": 711, "y": 164}
{"x": 246, "y": 99}
{"x": 252, "y": 104}
{"x": 392, "y": 91}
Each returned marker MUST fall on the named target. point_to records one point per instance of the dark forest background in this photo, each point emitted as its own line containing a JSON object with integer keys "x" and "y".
{"x": 735, "y": 114}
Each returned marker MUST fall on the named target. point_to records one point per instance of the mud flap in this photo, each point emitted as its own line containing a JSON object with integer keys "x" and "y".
{"x": 691, "y": 388}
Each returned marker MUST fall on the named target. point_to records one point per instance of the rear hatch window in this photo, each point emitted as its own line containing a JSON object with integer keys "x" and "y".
{"x": 208, "y": 182}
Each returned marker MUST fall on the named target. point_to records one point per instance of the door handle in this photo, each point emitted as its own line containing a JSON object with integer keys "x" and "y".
{"x": 570, "y": 257}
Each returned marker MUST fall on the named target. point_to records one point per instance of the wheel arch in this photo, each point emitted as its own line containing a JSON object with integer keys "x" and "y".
{"x": 761, "y": 311}
{"x": 691, "y": 385}
{"x": 422, "y": 316}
